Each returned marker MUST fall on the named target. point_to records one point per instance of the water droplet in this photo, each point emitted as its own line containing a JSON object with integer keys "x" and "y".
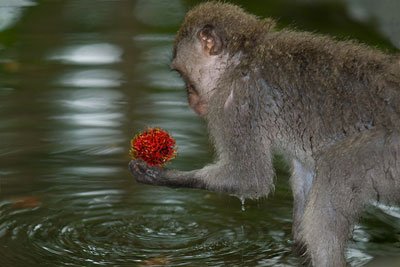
{"x": 242, "y": 199}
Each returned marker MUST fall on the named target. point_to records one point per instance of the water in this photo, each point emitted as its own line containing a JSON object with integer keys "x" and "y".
{"x": 77, "y": 81}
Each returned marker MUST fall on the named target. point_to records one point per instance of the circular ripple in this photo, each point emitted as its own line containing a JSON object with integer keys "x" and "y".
{"x": 109, "y": 233}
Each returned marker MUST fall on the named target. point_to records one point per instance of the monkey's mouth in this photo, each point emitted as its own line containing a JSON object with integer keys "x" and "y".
{"x": 196, "y": 102}
{"x": 190, "y": 89}
{"x": 192, "y": 94}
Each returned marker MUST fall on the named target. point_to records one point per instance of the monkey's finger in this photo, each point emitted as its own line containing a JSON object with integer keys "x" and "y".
{"x": 135, "y": 167}
{"x": 144, "y": 173}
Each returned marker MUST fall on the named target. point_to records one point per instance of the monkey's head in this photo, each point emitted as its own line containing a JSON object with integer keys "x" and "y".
{"x": 210, "y": 41}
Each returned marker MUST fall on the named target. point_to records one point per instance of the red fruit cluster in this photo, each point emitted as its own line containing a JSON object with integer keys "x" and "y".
{"x": 154, "y": 146}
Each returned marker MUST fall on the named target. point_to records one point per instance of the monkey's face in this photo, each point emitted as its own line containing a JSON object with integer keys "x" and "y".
{"x": 201, "y": 61}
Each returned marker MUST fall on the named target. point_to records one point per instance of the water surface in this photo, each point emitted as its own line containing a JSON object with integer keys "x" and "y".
{"x": 78, "y": 79}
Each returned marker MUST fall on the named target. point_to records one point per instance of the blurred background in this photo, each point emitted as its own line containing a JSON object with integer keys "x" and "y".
{"x": 79, "y": 78}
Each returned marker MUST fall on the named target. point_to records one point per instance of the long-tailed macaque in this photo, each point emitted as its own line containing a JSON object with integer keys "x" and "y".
{"x": 332, "y": 108}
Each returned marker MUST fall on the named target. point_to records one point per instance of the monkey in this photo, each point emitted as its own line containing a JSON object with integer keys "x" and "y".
{"x": 330, "y": 107}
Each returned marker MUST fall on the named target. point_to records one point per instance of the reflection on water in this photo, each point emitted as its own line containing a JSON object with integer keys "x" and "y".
{"x": 11, "y": 10}
{"x": 147, "y": 228}
{"x": 95, "y": 54}
{"x": 91, "y": 78}
{"x": 77, "y": 81}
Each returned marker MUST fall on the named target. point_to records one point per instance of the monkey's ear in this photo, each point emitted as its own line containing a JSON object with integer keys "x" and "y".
{"x": 210, "y": 41}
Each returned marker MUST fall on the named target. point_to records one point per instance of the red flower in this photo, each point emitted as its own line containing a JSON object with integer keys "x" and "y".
{"x": 154, "y": 146}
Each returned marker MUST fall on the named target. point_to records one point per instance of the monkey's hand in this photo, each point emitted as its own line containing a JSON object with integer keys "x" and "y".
{"x": 146, "y": 174}
{"x": 216, "y": 177}
{"x": 154, "y": 175}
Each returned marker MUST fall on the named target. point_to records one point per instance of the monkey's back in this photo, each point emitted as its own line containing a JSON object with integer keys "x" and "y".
{"x": 329, "y": 89}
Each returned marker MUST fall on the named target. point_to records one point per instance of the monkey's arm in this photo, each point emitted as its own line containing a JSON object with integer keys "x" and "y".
{"x": 250, "y": 178}
{"x": 200, "y": 179}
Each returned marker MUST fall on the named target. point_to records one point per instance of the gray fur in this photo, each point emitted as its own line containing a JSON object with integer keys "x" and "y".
{"x": 331, "y": 108}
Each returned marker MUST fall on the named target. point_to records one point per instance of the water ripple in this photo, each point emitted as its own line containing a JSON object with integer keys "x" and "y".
{"x": 105, "y": 232}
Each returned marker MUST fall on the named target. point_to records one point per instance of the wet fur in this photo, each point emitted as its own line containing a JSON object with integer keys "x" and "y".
{"x": 331, "y": 108}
